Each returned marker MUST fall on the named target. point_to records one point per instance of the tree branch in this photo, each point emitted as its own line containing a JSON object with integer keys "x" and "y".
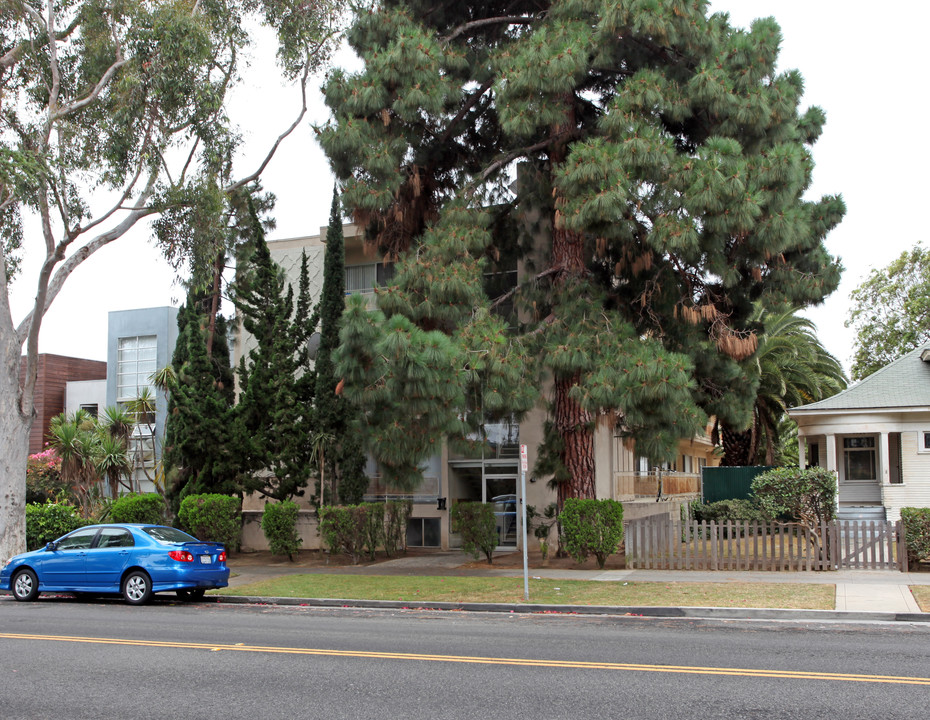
{"x": 503, "y": 20}
{"x": 274, "y": 148}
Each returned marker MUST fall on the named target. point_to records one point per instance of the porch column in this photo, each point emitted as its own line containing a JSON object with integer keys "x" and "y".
{"x": 831, "y": 465}
{"x": 802, "y": 451}
{"x": 831, "y": 454}
{"x": 883, "y": 459}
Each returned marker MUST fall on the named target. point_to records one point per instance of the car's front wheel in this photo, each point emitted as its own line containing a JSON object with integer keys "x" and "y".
{"x": 25, "y": 585}
{"x": 137, "y": 588}
{"x": 191, "y": 594}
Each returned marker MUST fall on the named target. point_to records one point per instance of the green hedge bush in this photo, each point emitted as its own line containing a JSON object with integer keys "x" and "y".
{"x": 343, "y": 528}
{"x": 916, "y": 535}
{"x": 279, "y": 524}
{"x": 49, "y": 521}
{"x": 476, "y": 523}
{"x": 374, "y": 527}
{"x": 212, "y": 517}
{"x": 728, "y": 510}
{"x": 804, "y": 495}
{"x": 396, "y": 515}
{"x": 592, "y": 527}
{"x": 148, "y": 508}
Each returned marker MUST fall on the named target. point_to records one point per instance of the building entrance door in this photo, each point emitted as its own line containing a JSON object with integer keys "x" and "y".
{"x": 492, "y": 482}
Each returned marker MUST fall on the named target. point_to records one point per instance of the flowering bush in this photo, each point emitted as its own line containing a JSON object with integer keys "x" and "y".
{"x": 43, "y": 477}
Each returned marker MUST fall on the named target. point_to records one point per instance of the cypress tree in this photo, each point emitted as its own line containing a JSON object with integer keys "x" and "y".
{"x": 662, "y": 164}
{"x": 200, "y": 435}
{"x": 271, "y": 421}
{"x": 334, "y": 415}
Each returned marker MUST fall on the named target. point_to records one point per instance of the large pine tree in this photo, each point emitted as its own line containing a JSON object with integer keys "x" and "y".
{"x": 644, "y": 162}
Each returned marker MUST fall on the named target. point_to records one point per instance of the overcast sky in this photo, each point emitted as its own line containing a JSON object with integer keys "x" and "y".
{"x": 866, "y": 68}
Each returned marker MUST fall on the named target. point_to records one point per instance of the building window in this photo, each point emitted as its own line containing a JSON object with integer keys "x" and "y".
{"x": 813, "y": 455}
{"x": 923, "y": 441}
{"x": 365, "y": 278}
{"x": 859, "y": 458}
{"x": 91, "y": 409}
{"x": 423, "y": 532}
{"x": 135, "y": 364}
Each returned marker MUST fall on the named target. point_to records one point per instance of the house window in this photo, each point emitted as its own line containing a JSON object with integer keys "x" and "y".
{"x": 923, "y": 441}
{"x": 135, "y": 364}
{"x": 813, "y": 455}
{"x": 859, "y": 458}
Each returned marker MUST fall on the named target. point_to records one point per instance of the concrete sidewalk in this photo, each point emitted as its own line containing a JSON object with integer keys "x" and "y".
{"x": 857, "y": 591}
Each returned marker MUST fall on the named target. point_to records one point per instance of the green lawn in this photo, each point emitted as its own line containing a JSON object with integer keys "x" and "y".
{"x": 922, "y": 596}
{"x": 545, "y": 591}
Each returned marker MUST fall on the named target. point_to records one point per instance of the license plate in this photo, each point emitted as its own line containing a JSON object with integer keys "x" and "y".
{"x": 204, "y": 559}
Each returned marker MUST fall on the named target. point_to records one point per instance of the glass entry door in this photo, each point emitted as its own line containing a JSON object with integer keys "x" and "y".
{"x": 490, "y": 482}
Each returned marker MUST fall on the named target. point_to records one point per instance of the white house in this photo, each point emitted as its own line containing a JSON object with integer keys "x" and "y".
{"x": 876, "y": 436}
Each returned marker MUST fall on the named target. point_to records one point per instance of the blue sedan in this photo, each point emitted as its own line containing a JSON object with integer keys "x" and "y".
{"x": 133, "y": 560}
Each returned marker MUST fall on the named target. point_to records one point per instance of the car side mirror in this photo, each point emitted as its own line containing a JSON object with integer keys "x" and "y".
{"x": 51, "y": 546}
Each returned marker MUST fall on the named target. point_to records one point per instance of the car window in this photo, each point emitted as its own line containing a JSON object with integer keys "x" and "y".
{"x": 78, "y": 540}
{"x": 115, "y": 537}
{"x": 168, "y": 534}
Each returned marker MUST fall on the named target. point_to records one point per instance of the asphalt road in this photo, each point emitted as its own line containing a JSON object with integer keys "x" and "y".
{"x": 104, "y": 659}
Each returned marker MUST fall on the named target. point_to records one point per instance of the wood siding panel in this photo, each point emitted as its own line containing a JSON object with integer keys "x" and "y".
{"x": 915, "y": 490}
{"x": 54, "y": 372}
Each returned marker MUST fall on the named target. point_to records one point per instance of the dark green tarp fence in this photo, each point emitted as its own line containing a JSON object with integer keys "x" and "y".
{"x": 728, "y": 483}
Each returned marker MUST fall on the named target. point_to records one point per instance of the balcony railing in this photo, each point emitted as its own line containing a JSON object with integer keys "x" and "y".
{"x": 426, "y": 492}
{"x": 646, "y": 484}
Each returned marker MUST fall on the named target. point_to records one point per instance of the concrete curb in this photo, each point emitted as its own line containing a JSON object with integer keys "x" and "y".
{"x": 715, "y": 613}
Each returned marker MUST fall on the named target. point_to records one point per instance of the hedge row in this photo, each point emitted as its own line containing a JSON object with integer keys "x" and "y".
{"x": 359, "y": 529}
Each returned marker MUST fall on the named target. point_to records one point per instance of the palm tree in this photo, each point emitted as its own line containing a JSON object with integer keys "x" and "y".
{"x": 74, "y": 438}
{"x": 793, "y": 369}
{"x": 113, "y": 461}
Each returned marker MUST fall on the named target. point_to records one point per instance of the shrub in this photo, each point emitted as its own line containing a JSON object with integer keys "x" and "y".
{"x": 343, "y": 529}
{"x": 592, "y": 527}
{"x": 476, "y": 523}
{"x": 396, "y": 515}
{"x": 916, "y": 534}
{"x": 374, "y": 527}
{"x": 728, "y": 510}
{"x": 279, "y": 524}
{"x": 148, "y": 508}
{"x": 43, "y": 477}
{"x": 212, "y": 517}
{"x": 49, "y": 521}
{"x": 807, "y": 496}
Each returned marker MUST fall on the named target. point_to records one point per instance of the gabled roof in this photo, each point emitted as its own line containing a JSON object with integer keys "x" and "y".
{"x": 905, "y": 383}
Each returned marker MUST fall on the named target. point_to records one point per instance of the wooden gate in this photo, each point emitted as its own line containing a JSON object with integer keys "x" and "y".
{"x": 660, "y": 543}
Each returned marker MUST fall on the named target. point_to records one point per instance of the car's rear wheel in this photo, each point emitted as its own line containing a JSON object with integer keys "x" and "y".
{"x": 137, "y": 588}
{"x": 25, "y": 585}
{"x": 191, "y": 594}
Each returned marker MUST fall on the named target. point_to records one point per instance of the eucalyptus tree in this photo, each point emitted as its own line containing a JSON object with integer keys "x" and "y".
{"x": 642, "y": 164}
{"x": 890, "y": 311}
{"x": 115, "y": 114}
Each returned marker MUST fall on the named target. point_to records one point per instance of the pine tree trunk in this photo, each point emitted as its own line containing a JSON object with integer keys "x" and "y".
{"x": 14, "y": 451}
{"x": 737, "y": 447}
{"x": 574, "y": 425}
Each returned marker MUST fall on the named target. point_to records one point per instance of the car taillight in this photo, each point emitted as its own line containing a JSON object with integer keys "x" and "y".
{"x": 221, "y": 557}
{"x": 181, "y": 556}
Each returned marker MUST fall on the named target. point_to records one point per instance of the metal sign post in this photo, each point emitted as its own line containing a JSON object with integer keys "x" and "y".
{"x": 526, "y": 572}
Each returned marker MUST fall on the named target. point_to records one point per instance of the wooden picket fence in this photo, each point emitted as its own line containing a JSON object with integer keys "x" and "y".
{"x": 659, "y": 543}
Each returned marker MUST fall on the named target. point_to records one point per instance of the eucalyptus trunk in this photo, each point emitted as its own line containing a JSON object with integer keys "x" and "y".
{"x": 14, "y": 451}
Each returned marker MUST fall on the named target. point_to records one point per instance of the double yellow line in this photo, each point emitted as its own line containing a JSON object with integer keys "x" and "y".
{"x": 513, "y": 662}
